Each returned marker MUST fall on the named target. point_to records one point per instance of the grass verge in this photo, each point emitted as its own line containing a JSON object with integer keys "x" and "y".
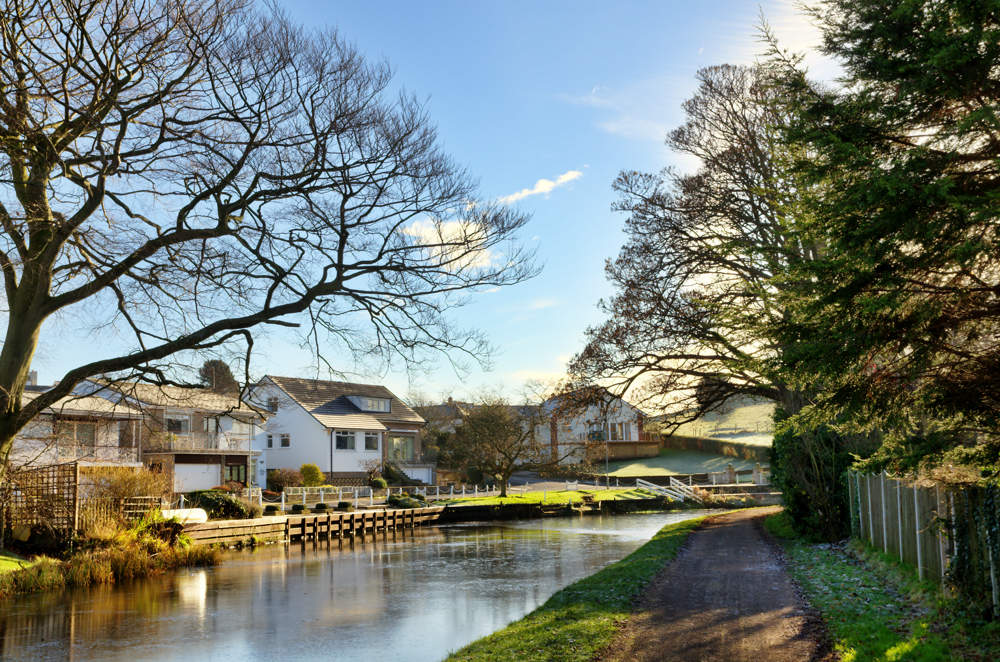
{"x": 553, "y": 497}
{"x": 9, "y": 562}
{"x": 877, "y": 609}
{"x": 582, "y": 619}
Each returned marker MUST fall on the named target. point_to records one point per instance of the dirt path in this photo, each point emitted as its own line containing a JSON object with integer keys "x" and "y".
{"x": 726, "y": 597}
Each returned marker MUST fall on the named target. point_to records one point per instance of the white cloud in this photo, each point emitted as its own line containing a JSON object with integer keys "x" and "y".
{"x": 451, "y": 242}
{"x": 541, "y": 304}
{"x": 542, "y": 186}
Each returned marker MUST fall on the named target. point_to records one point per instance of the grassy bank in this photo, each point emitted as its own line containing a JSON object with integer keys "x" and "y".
{"x": 582, "y": 619}
{"x": 877, "y": 609}
{"x": 9, "y": 562}
{"x": 552, "y": 497}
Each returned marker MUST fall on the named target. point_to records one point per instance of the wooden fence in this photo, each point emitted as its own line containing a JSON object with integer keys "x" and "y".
{"x": 50, "y": 497}
{"x": 946, "y": 532}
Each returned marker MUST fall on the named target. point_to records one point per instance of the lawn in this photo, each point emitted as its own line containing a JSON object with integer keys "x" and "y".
{"x": 10, "y": 561}
{"x": 672, "y": 461}
{"x": 748, "y": 422}
{"x": 551, "y": 496}
{"x": 579, "y": 621}
{"x": 877, "y": 609}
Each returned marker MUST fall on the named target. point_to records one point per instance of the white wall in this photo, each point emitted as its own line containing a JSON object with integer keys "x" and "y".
{"x": 572, "y": 432}
{"x": 188, "y": 477}
{"x": 309, "y": 440}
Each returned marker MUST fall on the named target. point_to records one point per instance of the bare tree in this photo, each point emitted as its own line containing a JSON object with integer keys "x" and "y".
{"x": 699, "y": 278}
{"x": 186, "y": 171}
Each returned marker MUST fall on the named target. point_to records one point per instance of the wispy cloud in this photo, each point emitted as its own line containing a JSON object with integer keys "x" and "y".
{"x": 635, "y": 110}
{"x": 542, "y": 186}
{"x": 453, "y": 243}
{"x": 541, "y": 304}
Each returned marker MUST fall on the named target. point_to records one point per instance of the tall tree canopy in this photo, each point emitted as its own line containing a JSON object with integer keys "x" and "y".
{"x": 900, "y": 319}
{"x": 698, "y": 278}
{"x": 186, "y": 171}
{"x": 216, "y": 375}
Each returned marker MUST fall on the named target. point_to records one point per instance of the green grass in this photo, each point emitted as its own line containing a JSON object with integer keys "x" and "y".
{"x": 582, "y": 619}
{"x": 10, "y": 561}
{"x": 551, "y": 497}
{"x": 747, "y": 423}
{"x": 672, "y": 461}
{"x": 877, "y": 609}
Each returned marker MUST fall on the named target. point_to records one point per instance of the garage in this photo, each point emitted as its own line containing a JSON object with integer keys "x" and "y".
{"x": 188, "y": 477}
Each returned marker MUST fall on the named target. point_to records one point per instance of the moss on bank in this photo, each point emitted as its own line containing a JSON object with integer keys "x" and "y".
{"x": 582, "y": 619}
{"x": 877, "y": 609}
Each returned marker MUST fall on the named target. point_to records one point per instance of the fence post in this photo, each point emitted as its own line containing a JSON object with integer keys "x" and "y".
{"x": 371, "y": 497}
{"x": 885, "y": 515}
{"x": 899, "y": 516}
{"x": 940, "y": 528}
{"x": 76, "y": 500}
{"x": 322, "y": 493}
{"x": 475, "y": 490}
{"x": 916, "y": 518}
{"x": 871, "y": 520}
{"x": 260, "y": 498}
{"x": 182, "y": 500}
{"x": 282, "y": 501}
{"x": 303, "y": 496}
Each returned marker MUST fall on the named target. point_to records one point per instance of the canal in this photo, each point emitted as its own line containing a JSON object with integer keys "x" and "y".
{"x": 415, "y": 595}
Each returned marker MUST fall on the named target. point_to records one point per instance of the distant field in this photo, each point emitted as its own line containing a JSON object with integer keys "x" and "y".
{"x": 748, "y": 423}
{"x": 671, "y": 461}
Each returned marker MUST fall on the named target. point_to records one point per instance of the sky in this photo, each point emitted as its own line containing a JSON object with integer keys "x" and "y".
{"x": 544, "y": 102}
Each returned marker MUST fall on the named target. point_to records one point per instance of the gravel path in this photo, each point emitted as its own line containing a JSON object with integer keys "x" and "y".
{"x": 726, "y": 597}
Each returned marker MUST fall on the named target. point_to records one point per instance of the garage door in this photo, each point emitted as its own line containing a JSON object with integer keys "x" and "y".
{"x": 188, "y": 477}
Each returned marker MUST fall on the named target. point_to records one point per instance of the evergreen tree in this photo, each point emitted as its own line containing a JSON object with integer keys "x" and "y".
{"x": 216, "y": 375}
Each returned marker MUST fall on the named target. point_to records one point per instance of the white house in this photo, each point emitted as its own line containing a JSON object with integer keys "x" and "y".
{"x": 581, "y": 422}
{"x": 339, "y": 426}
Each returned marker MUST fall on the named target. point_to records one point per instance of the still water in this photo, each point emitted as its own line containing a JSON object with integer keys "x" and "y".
{"x": 413, "y": 596}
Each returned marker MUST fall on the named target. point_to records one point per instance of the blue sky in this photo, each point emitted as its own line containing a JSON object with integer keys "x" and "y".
{"x": 524, "y": 91}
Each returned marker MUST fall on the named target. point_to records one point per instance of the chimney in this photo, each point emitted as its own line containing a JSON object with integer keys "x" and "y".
{"x": 33, "y": 378}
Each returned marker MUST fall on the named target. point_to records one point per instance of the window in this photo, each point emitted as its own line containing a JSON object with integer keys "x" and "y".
{"x": 371, "y": 441}
{"x": 345, "y": 440}
{"x": 402, "y": 448}
{"x": 375, "y": 404}
{"x": 618, "y": 431}
{"x": 270, "y": 441}
{"x": 178, "y": 423}
{"x": 240, "y": 427}
{"x": 286, "y": 440}
{"x": 82, "y": 433}
{"x": 211, "y": 425}
{"x": 272, "y": 404}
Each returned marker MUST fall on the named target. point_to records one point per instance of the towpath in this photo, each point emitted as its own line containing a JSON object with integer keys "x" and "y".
{"x": 726, "y": 597}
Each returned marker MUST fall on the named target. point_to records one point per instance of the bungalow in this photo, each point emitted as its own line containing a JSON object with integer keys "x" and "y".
{"x": 85, "y": 429}
{"x": 590, "y": 424}
{"x": 341, "y": 427}
{"x": 197, "y": 436}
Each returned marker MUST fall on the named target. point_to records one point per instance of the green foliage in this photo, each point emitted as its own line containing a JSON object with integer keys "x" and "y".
{"x": 346, "y": 506}
{"x": 976, "y": 529}
{"x": 279, "y": 479}
{"x": 219, "y": 505}
{"x": 311, "y": 475}
{"x": 808, "y": 466}
{"x": 321, "y": 508}
{"x": 395, "y": 476}
{"x": 216, "y": 375}
{"x": 404, "y": 501}
{"x": 270, "y": 509}
{"x": 378, "y": 483}
{"x": 579, "y": 621}
{"x": 298, "y": 508}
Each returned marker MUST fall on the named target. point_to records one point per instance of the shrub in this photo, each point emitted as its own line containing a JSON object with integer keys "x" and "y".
{"x": 123, "y": 482}
{"x": 270, "y": 509}
{"x": 346, "y": 506}
{"x": 254, "y": 510}
{"x": 403, "y": 501}
{"x": 279, "y": 479}
{"x": 379, "y": 483}
{"x": 395, "y": 476}
{"x": 298, "y": 508}
{"x": 311, "y": 475}
{"x": 321, "y": 508}
{"x": 219, "y": 505}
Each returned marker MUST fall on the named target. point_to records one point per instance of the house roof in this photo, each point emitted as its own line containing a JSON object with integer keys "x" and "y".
{"x": 86, "y": 405}
{"x": 330, "y": 404}
{"x": 180, "y": 397}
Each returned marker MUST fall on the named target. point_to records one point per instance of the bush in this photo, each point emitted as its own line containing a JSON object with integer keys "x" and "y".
{"x": 320, "y": 508}
{"x": 298, "y": 508}
{"x": 279, "y": 479}
{"x": 123, "y": 482}
{"x": 311, "y": 475}
{"x": 254, "y": 510}
{"x": 808, "y": 466}
{"x": 395, "y": 476}
{"x": 379, "y": 483}
{"x": 270, "y": 509}
{"x": 403, "y": 501}
{"x": 346, "y": 506}
{"x": 219, "y": 505}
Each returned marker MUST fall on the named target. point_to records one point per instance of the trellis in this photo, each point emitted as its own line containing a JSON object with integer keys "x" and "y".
{"x": 44, "y": 495}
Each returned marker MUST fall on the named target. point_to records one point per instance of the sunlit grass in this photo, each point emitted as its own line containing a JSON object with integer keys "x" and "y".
{"x": 554, "y": 497}
{"x": 877, "y": 609}
{"x": 582, "y": 619}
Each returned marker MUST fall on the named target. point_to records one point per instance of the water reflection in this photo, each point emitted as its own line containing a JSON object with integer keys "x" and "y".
{"x": 414, "y": 595}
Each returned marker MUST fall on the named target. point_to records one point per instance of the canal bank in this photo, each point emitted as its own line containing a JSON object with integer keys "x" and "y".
{"x": 414, "y": 595}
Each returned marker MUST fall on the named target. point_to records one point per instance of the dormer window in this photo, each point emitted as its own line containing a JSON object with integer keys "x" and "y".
{"x": 365, "y": 403}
